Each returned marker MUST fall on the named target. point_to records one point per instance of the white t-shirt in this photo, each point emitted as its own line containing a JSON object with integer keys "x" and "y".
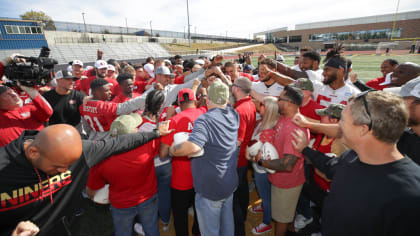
{"x": 315, "y": 75}
{"x": 296, "y": 67}
{"x": 325, "y": 95}
{"x": 274, "y": 90}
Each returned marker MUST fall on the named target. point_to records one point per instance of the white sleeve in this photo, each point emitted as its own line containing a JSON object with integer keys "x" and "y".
{"x": 317, "y": 88}
{"x": 197, "y": 74}
{"x": 313, "y": 76}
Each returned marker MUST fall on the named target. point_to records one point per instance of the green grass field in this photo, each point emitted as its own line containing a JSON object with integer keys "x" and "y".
{"x": 367, "y": 67}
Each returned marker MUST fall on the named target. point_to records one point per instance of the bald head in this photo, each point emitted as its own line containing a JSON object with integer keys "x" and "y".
{"x": 404, "y": 73}
{"x": 55, "y": 148}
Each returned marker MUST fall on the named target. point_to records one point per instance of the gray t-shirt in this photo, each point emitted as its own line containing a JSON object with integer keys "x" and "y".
{"x": 214, "y": 173}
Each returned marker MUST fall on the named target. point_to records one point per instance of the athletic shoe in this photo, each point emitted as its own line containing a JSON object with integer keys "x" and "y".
{"x": 251, "y": 186}
{"x": 316, "y": 234}
{"x": 165, "y": 226}
{"x": 261, "y": 229}
{"x": 138, "y": 228}
{"x": 301, "y": 222}
{"x": 256, "y": 209}
{"x": 191, "y": 211}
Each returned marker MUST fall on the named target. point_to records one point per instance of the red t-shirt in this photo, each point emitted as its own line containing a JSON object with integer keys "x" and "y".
{"x": 179, "y": 80}
{"x": 309, "y": 110}
{"x": 122, "y": 98}
{"x": 247, "y": 114}
{"x": 323, "y": 184}
{"x": 85, "y": 84}
{"x": 28, "y": 117}
{"x": 131, "y": 176}
{"x": 283, "y": 143}
{"x": 99, "y": 114}
{"x": 181, "y": 166}
{"x": 374, "y": 83}
{"x": 250, "y": 77}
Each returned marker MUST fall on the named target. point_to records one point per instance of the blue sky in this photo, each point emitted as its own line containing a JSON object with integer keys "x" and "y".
{"x": 240, "y": 18}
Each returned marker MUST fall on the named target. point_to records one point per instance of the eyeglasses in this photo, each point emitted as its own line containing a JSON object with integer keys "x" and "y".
{"x": 365, "y": 102}
{"x": 235, "y": 85}
{"x": 284, "y": 99}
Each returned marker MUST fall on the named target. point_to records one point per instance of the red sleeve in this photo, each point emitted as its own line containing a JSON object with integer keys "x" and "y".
{"x": 109, "y": 109}
{"x": 169, "y": 139}
{"x": 41, "y": 109}
{"x": 95, "y": 180}
{"x": 267, "y": 135}
{"x": 242, "y": 128}
{"x": 179, "y": 80}
{"x": 1, "y": 69}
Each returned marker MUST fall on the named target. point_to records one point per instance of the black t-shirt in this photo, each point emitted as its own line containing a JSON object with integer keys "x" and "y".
{"x": 369, "y": 199}
{"x": 66, "y": 107}
{"x": 409, "y": 144}
{"x": 21, "y": 195}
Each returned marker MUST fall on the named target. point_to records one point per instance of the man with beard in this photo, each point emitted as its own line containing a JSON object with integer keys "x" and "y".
{"x": 101, "y": 68}
{"x": 375, "y": 189}
{"x": 333, "y": 88}
{"x": 387, "y": 67}
{"x": 309, "y": 67}
{"x": 267, "y": 86}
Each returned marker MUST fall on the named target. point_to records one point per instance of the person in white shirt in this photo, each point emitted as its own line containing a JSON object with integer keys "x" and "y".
{"x": 308, "y": 67}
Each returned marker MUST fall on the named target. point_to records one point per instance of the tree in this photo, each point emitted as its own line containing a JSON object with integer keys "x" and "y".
{"x": 39, "y": 16}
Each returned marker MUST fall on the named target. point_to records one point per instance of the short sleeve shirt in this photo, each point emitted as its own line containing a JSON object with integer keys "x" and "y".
{"x": 99, "y": 114}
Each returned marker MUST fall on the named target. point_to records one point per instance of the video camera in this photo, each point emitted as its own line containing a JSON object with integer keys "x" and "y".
{"x": 36, "y": 70}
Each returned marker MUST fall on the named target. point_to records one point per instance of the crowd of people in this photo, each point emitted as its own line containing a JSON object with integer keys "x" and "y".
{"x": 166, "y": 139}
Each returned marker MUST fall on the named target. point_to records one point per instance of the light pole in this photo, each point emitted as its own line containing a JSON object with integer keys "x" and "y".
{"x": 151, "y": 30}
{"x": 126, "y": 24}
{"x": 184, "y": 31}
{"x": 188, "y": 17}
{"x": 84, "y": 22}
{"x": 226, "y": 36}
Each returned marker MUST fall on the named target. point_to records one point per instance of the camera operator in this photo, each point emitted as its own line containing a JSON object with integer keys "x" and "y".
{"x": 16, "y": 117}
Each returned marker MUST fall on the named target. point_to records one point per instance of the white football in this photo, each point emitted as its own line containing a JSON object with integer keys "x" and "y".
{"x": 181, "y": 137}
{"x": 254, "y": 147}
{"x": 269, "y": 152}
{"x": 102, "y": 195}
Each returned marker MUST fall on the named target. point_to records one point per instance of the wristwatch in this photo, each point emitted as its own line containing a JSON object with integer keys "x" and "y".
{"x": 157, "y": 132}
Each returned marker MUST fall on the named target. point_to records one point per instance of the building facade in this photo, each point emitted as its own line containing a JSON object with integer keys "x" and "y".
{"x": 356, "y": 33}
{"x": 21, "y": 34}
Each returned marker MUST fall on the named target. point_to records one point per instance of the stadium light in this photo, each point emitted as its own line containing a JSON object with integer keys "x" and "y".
{"x": 151, "y": 30}
{"x": 188, "y": 17}
{"x": 84, "y": 22}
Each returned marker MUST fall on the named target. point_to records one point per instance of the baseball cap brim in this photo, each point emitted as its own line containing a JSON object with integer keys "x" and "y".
{"x": 321, "y": 112}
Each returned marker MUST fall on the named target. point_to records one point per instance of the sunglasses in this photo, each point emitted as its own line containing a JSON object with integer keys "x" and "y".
{"x": 365, "y": 102}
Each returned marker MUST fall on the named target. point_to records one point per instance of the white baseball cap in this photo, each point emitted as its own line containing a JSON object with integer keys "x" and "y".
{"x": 149, "y": 68}
{"x": 111, "y": 67}
{"x": 77, "y": 62}
{"x": 100, "y": 64}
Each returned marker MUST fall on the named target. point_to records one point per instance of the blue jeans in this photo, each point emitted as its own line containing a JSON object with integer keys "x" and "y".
{"x": 163, "y": 174}
{"x": 264, "y": 190}
{"x": 146, "y": 211}
{"x": 215, "y": 217}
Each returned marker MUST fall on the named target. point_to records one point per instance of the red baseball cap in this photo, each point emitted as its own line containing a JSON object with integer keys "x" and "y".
{"x": 191, "y": 95}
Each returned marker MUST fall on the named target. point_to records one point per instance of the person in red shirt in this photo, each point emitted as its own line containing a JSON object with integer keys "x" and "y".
{"x": 232, "y": 69}
{"x": 125, "y": 82}
{"x": 289, "y": 177}
{"x": 132, "y": 182}
{"x": 16, "y": 117}
{"x": 101, "y": 68}
{"x": 247, "y": 116}
{"x": 99, "y": 113}
{"x": 308, "y": 106}
{"x": 387, "y": 67}
{"x": 182, "y": 189}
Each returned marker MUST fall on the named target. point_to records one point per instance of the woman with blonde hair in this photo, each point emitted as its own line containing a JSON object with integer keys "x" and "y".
{"x": 264, "y": 132}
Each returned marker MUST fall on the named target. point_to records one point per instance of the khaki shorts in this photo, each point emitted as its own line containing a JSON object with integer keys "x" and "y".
{"x": 284, "y": 202}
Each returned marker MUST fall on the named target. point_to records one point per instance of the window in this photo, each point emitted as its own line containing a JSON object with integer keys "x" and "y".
{"x": 295, "y": 39}
{"x": 18, "y": 29}
{"x": 356, "y": 35}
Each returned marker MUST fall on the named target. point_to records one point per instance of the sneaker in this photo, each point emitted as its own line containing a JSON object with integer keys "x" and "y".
{"x": 138, "y": 228}
{"x": 191, "y": 211}
{"x": 316, "y": 234}
{"x": 251, "y": 186}
{"x": 165, "y": 226}
{"x": 301, "y": 222}
{"x": 256, "y": 209}
{"x": 261, "y": 229}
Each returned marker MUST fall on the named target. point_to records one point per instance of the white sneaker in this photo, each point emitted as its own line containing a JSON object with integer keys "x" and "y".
{"x": 191, "y": 211}
{"x": 138, "y": 228}
{"x": 165, "y": 226}
{"x": 316, "y": 234}
{"x": 301, "y": 222}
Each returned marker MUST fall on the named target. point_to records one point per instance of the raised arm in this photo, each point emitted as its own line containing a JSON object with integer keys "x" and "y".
{"x": 331, "y": 130}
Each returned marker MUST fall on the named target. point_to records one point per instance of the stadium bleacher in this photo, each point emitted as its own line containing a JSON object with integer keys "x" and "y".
{"x": 64, "y": 53}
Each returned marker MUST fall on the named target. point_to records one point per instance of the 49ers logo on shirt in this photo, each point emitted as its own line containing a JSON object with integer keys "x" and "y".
{"x": 25, "y": 115}
{"x": 32, "y": 193}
